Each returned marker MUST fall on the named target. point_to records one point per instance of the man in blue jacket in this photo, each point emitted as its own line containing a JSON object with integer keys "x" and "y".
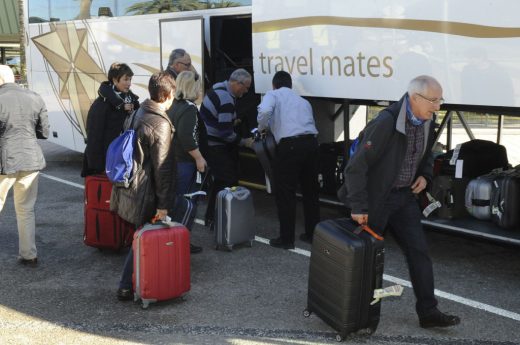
{"x": 392, "y": 163}
{"x": 23, "y": 120}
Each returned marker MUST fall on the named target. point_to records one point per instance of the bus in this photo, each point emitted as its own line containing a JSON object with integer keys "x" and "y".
{"x": 347, "y": 57}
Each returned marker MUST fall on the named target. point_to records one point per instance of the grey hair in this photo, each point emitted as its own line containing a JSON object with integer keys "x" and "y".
{"x": 240, "y": 75}
{"x": 421, "y": 83}
{"x": 187, "y": 87}
{"x": 6, "y": 74}
{"x": 175, "y": 55}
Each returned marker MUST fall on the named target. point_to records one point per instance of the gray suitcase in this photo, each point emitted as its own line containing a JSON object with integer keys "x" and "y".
{"x": 478, "y": 197}
{"x": 234, "y": 218}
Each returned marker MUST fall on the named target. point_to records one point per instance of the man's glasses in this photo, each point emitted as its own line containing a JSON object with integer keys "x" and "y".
{"x": 187, "y": 65}
{"x": 247, "y": 87}
{"x": 439, "y": 101}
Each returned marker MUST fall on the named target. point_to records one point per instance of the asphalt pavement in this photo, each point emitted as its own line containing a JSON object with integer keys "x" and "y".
{"x": 247, "y": 296}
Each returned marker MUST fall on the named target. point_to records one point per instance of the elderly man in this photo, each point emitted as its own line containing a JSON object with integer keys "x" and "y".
{"x": 23, "y": 120}
{"x": 220, "y": 147}
{"x": 180, "y": 61}
{"x": 391, "y": 164}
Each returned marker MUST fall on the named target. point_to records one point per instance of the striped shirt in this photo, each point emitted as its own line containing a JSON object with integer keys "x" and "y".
{"x": 218, "y": 113}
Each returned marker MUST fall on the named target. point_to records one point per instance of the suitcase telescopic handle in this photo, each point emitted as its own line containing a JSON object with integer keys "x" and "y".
{"x": 239, "y": 193}
{"x": 372, "y": 233}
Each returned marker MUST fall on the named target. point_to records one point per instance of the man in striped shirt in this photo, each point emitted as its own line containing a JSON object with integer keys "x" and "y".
{"x": 218, "y": 113}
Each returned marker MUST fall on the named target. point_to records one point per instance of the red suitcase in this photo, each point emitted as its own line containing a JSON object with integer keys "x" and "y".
{"x": 103, "y": 228}
{"x": 161, "y": 262}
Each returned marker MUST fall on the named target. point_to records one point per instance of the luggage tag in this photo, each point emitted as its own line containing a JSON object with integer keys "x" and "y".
{"x": 432, "y": 206}
{"x": 394, "y": 290}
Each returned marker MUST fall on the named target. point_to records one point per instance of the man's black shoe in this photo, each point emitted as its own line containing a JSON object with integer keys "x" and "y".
{"x": 29, "y": 262}
{"x": 306, "y": 238}
{"x": 438, "y": 319}
{"x": 125, "y": 294}
{"x": 195, "y": 249}
{"x": 279, "y": 243}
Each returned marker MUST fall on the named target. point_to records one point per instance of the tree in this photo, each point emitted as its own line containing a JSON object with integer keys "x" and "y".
{"x": 160, "y": 6}
{"x": 222, "y": 3}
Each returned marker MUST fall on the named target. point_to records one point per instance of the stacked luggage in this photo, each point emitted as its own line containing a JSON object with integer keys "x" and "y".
{"x": 457, "y": 168}
{"x": 496, "y": 197}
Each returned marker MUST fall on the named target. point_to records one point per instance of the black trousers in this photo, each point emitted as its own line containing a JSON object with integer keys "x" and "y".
{"x": 402, "y": 215}
{"x": 296, "y": 161}
{"x": 223, "y": 163}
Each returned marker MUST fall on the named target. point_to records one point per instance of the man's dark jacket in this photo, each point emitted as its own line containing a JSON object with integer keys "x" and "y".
{"x": 104, "y": 123}
{"x": 372, "y": 171}
{"x": 23, "y": 120}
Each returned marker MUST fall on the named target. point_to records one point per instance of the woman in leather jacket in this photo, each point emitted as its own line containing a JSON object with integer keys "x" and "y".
{"x": 151, "y": 191}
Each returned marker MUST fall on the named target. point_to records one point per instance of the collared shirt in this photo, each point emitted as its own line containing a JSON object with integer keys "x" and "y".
{"x": 414, "y": 150}
{"x": 286, "y": 114}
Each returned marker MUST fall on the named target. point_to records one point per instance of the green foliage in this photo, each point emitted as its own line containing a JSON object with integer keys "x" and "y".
{"x": 164, "y": 6}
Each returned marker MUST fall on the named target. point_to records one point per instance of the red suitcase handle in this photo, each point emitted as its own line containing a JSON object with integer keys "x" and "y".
{"x": 366, "y": 228}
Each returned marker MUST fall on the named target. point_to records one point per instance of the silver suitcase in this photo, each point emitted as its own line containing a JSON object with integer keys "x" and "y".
{"x": 234, "y": 218}
{"x": 478, "y": 197}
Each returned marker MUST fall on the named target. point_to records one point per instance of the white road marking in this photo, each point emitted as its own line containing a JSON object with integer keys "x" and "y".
{"x": 395, "y": 280}
{"x": 62, "y": 181}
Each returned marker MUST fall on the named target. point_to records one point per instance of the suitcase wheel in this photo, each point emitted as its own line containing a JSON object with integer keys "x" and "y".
{"x": 339, "y": 338}
{"x": 306, "y": 313}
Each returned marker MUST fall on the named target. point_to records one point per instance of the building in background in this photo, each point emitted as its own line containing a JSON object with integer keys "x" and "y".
{"x": 10, "y": 36}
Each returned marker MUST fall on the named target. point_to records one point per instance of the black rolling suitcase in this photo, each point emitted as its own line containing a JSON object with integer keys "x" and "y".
{"x": 451, "y": 193}
{"x": 505, "y": 200}
{"x": 346, "y": 266}
{"x": 184, "y": 207}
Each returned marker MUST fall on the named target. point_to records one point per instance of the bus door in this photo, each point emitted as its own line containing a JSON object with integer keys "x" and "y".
{"x": 185, "y": 33}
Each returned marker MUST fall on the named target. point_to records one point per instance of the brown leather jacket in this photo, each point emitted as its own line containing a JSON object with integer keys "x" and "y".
{"x": 153, "y": 185}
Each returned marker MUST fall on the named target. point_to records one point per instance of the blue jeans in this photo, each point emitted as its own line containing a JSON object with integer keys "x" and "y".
{"x": 401, "y": 212}
{"x": 184, "y": 184}
{"x": 128, "y": 269}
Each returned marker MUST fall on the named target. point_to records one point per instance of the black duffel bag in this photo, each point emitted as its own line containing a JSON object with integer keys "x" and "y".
{"x": 479, "y": 158}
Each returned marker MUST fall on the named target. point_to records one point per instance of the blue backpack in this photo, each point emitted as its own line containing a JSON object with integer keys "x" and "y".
{"x": 119, "y": 161}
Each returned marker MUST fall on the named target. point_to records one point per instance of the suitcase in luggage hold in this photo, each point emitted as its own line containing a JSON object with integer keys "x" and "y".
{"x": 161, "y": 262}
{"x": 478, "y": 197}
{"x": 103, "y": 229}
{"x": 479, "y": 157}
{"x": 332, "y": 165}
{"x": 346, "y": 266}
{"x": 505, "y": 203}
{"x": 234, "y": 218}
{"x": 451, "y": 193}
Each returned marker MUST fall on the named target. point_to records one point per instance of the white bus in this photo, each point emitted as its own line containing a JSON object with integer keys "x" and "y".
{"x": 344, "y": 55}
